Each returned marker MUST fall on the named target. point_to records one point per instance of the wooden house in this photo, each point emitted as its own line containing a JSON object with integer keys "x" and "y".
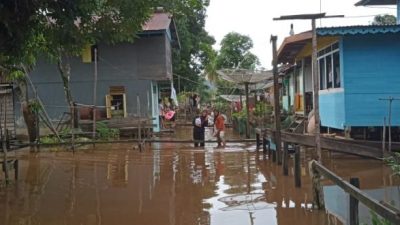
{"x": 358, "y": 66}
{"x": 125, "y": 71}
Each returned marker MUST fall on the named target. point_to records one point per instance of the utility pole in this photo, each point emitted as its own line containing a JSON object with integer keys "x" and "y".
{"x": 277, "y": 110}
{"x": 315, "y": 76}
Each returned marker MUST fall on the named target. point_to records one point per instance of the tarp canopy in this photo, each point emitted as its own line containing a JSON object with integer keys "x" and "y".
{"x": 242, "y": 76}
{"x": 231, "y": 98}
{"x": 258, "y": 86}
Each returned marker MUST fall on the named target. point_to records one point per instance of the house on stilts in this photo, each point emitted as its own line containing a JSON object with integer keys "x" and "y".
{"x": 358, "y": 66}
{"x": 125, "y": 71}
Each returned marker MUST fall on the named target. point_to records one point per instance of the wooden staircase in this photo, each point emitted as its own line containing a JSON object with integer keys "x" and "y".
{"x": 298, "y": 124}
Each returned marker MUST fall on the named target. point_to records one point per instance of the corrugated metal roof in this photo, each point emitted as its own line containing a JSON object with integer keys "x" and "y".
{"x": 354, "y": 30}
{"x": 376, "y": 2}
{"x": 292, "y": 45}
{"x": 158, "y": 21}
{"x": 162, "y": 21}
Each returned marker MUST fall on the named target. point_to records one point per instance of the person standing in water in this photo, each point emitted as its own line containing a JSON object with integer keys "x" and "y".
{"x": 199, "y": 123}
{"x": 219, "y": 122}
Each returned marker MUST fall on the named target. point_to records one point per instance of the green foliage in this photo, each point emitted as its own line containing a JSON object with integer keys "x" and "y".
{"x": 235, "y": 52}
{"x": 240, "y": 115}
{"x": 196, "y": 44}
{"x": 394, "y": 162}
{"x": 222, "y": 106}
{"x": 384, "y": 19}
{"x": 106, "y": 133}
{"x": 262, "y": 109}
{"x": 35, "y": 106}
{"x": 15, "y": 75}
{"x": 49, "y": 139}
{"x": 377, "y": 220}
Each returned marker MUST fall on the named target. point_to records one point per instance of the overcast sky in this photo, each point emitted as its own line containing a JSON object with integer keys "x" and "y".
{"x": 254, "y": 18}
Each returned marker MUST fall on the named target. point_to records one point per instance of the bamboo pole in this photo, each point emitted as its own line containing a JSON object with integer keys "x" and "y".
{"x": 94, "y": 94}
{"x": 246, "y": 87}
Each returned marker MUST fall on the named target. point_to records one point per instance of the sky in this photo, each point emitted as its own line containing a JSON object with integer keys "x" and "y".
{"x": 254, "y": 18}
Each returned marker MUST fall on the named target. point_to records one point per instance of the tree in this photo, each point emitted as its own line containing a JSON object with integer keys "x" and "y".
{"x": 196, "y": 43}
{"x": 235, "y": 52}
{"x": 72, "y": 25}
{"x": 20, "y": 43}
{"x": 60, "y": 30}
{"x": 384, "y": 19}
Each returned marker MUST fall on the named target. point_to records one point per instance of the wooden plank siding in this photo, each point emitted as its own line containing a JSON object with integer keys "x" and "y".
{"x": 7, "y": 119}
{"x": 371, "y": 71}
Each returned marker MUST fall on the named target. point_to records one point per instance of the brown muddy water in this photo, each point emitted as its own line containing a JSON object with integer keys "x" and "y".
{"x": 176, "y": 184}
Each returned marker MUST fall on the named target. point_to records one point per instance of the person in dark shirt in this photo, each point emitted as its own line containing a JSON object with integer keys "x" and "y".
{"x": 199, "y": 123}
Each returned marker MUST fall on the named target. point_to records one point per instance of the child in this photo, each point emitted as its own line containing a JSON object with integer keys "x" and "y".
{"x": 219, "y": 122}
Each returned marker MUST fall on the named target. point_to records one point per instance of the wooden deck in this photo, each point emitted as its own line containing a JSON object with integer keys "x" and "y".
{"x": 353, "y": 147}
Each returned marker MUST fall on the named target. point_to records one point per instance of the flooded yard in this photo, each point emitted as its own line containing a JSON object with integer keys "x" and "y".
{"x": 176, "y": 184}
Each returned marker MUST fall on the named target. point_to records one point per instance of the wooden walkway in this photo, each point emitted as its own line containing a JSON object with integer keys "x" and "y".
{"x": 353, "y": 147}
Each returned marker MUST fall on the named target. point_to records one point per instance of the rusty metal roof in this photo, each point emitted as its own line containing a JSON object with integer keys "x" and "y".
{"x": 376, "y": 2}
{"x": 162, "y": 21}
{"x": 158, "y": 21}
{"x": 292, "y": 45}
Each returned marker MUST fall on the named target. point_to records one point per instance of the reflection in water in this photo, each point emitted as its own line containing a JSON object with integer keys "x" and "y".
{"x": 175, "y": 185}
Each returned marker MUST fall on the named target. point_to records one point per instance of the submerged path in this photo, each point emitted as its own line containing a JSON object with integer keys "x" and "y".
{"x": 177, "y": 184}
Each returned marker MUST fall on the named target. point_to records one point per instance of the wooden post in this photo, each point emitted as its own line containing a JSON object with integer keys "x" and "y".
{"x": 16, "y": 169}
{"x": 297, "y": 167}
{"x": 353, "y": 206}
{"x": 318, "y": 194}
{"x": 246, "y": 88}
{"x": 285, "y": 158}
{"x": 94, "y": 94}
{"x": 139, "y": 123}
{"x": 37, "y": 120}
{"x": 316, "y": 90}
{"x": 73, "y": 127}
{"x": 274, "y": 156}
{"x": 384, "y": 137}
{"x": 277, "y": 110}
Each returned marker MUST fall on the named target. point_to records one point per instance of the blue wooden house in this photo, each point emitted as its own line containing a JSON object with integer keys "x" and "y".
{"x": 358, "y": 66}
{"x": 125, "y": 71}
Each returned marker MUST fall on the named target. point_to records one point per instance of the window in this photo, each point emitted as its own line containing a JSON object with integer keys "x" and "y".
{"x": 329, "y": 67}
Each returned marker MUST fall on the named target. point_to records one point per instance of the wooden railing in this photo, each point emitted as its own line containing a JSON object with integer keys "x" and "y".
{"x": 385, "y": 211}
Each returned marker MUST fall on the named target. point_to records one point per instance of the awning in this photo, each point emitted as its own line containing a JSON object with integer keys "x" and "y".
{"x": 231, "y": 98}
{"x": 242, "y": 76}
{"x": 376, "y": 2}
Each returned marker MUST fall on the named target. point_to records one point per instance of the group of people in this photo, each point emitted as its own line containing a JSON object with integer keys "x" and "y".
{"x": 206, "y": 119}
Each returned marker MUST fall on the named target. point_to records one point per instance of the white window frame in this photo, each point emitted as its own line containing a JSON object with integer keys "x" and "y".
{"x": 324, "y": 56}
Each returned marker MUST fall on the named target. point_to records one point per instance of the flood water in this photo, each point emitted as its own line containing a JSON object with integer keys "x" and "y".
{"x": 174, "y": 184}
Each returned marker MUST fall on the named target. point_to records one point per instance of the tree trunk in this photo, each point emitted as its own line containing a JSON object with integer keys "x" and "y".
{"x": 30, "y": 120}
{"x": 65, "y": 71}
{"x": 64, "y": 68}
{"x": 29, "y": 116}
